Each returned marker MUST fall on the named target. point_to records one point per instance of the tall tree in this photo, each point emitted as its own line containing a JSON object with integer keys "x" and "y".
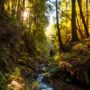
{"x": 73, "y": 22}
{"x": 87, "y": 12}
{"x": 19, "y": 9}
{"x": 35, "y": 23}
{"x": 58, "y": 29}
{"x": 83, "y": 18}
{"x": 2, "y": 5}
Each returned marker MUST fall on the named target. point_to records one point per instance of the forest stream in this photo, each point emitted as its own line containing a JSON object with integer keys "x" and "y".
{"x": 43, "y": 85}
{"x": 54, "y": 83}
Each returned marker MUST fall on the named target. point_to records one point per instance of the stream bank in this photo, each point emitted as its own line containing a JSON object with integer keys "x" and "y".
{"x": 41, "y": 81}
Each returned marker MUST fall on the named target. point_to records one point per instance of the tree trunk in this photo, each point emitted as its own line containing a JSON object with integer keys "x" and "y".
{"x": 87, "y": 12}
{"x": 79, "y": 29}
{"x": 2, "y": 6}
{"x": 83, "y": 19}
{"x": 73, "y": 22}
{"x": 19, "y": 10}
{"x": 58, "y": 29}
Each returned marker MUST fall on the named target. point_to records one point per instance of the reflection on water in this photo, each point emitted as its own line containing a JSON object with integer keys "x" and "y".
{"x": 43, "y": 85}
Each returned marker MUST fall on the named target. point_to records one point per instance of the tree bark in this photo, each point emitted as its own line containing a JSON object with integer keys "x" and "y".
{"x": 58, "y": 29}
{"x": 79, "y": 29}
{"x": 19, "y": 10}
{"x": 2, "y": 5}
{"x": 87, "y": 12}
{"x": 83, "y": 19}
{"x": 73, "y": 22}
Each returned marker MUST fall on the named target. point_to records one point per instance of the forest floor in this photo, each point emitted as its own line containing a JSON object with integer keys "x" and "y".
{"x": 69, "y": 70}
{"x": 66, "y": 71}
{"x": 74, "y": 68}
{"x": 18, "y": 70}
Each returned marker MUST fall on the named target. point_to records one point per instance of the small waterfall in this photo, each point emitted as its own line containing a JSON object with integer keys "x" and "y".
{"x": 43, "y": 85}
{"x": 40, "y": 77}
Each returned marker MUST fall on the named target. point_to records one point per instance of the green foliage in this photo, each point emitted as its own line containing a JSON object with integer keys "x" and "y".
{"x": 53, "y": 69}
{"x": 25, "y": 57}
{"x": 35, "y": 85}
{"x": 34, "y": 22}
{"x": 69, "y": 56}
{"x": 86, "y": 77}
{"x": 27, "y": 86}
{"x": 4, "y": 59}
{"x": 2, "y": 81}
{"x": 4, "y": 54}
{"x": 17, "y": 71}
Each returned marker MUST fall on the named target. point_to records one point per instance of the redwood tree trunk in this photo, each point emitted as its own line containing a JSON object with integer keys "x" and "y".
{"x": 61, "y": 48}
{"x": 2, "y": 5}
{"x": 73, "y": 22}
{"x": 83, "y": 19}
{"x": 87, "y": 12}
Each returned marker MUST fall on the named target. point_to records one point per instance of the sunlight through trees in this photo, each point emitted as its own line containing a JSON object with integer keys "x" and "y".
{"x": 47, "y": 40}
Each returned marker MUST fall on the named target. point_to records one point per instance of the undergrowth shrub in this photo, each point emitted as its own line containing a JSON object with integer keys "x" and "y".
{"x": 2, "y": 81}
{"x": 4, "y": 57}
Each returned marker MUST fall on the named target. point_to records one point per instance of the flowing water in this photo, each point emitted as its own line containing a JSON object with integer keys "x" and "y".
{"x": 43, "y": 85}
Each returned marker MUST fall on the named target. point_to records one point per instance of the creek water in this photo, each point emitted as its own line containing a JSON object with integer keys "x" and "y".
{"x": 43, "y": 85}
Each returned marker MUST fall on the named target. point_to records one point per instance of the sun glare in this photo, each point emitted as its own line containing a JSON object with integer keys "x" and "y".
{"x": 49, "y": 31}
{"x": 25, "y": 15}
